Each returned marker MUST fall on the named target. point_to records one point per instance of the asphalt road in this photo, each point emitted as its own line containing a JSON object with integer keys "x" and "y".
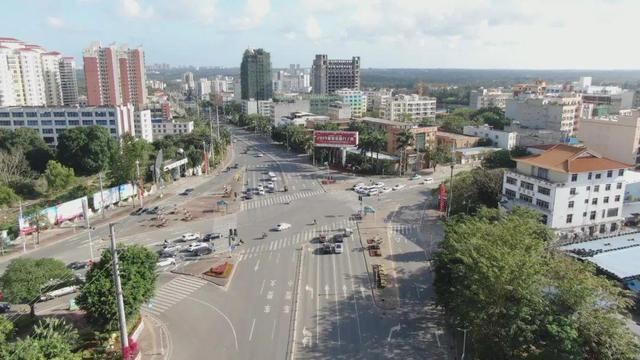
{"x": 287, "y": 299}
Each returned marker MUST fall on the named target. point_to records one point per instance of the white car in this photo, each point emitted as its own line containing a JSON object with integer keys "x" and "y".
{"x": 260, "y": 187}
{"x": 166, "y": 262}
{"x": 282, "y": 226}
{"x": 398, "y": 187}
{"x": 357, "y": 186}
{"x": 379, "y": 184}
{"x": 190, "y": 236}
{"x": 427, "y": 181}
{"x": 260, "y": 191}
{"x": 372, "y": 192}
{"x": 337, "y": 248}
{"x": 385, "y": 189}
{"x": 259, "y": 155}
{"x": 196, "y": 245}
{"x": 271, "y": 184}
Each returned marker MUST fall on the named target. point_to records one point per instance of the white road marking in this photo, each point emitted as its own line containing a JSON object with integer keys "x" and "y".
{"x": 262, "y": 287}
{"x": 310, "y": 290}
{"x": 235, "y": 337}
{"x": 253, "y": 324}
{"x": 273, "y": 330}
{"x": 335, "y": 283}
{"x": 255, "y": 268}
{"x": 326, "y": 292}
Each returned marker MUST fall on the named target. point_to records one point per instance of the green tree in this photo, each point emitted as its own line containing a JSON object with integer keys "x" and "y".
{"x": 137, "y": 272}
{"x": 404, "y": 140}
{"x": 13, "y": 166}
{"x": 85, "y": 149}
{"x": 6, "y": 330}
{"x": 498, "y": 159}
{"x": 7, "y": 196}
{"x": 30, "y": 143}
{"x": 24, "y": 280}
{"x": 58, "y": 176}
{"x": 56, "y": 327}
{"x": 439, "y": 155}
{"x": 30, "y": 348}
{"x": 492, "y": 116}
{"x": 124, "y": 156}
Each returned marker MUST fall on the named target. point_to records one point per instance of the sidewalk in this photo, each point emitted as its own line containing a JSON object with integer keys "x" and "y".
{"x": 154, "y": 340}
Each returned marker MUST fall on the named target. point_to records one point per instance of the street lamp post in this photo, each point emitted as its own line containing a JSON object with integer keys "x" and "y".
{"x": 140, "y": 189}
{"x": 464, "y": 342}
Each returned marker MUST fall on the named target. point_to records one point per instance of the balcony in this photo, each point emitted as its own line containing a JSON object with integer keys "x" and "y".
{"x": 509, "y": 204}
{"x": 529, "y": 178}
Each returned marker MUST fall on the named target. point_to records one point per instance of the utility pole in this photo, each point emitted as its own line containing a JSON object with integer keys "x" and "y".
{"x": 450, "y": 197}
{"x": 464, "y": 342}
{"x": 124, "y": 337}
{"x": 218, "y": 122}
{"x": 101, "y": 195}
{"x": 140, "y": 184}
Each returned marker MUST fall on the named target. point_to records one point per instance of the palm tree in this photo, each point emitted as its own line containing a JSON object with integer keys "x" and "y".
{"x": 378, "y": 141}
{"x": 404, "y": 139}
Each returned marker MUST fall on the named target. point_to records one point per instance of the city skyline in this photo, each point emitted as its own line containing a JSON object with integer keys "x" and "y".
{"x": 460, "y": 34}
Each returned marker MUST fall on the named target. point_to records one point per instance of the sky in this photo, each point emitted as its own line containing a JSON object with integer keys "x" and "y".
{"x": 476, "y": 34}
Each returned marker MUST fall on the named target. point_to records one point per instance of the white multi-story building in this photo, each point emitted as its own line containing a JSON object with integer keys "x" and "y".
{"x": 163, "y": 128}
{"x": 142, "y": 124}
{"x": 50, "y": 122}
{"x": 262, "y": 107}
{"x": 68, "y": 81}
{"x": 558, "y": 114}
{"x": 32, "y": 77}
{"x": 483, "y": 98}
{"x": 355, "y": 99}
{"x": 377, "y": 99}
{"x": 51, "y": 76}
{"x": 189, "y": 82}
{"x": 418, "y": 107}
{"x": 502, "y": 139}
{"x": 577, "y": 191}
{"x": 614, "y": 136}
{"x": 339, "y": 111}
{"x": 203, "y": 88}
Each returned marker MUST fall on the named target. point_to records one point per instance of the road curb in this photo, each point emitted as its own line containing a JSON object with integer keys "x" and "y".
{"x": 294, "y": 316}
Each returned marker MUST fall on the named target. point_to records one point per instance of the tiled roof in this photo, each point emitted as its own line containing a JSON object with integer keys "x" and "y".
{"x": 571, "y": 159}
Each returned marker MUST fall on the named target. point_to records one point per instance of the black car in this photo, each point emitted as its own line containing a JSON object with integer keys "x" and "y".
{"x": 78, "y": 265}
{"x": 140, "y": 211}
{"x": 248, "y": 196}
{"x": 153, "y": 210}
{"x": 4, "y": 307}
{"x": 211, "y": 236}
{"x": 186, "y": 192}
{"x": 205, "y": 250}
{"x": 338, "y": 238}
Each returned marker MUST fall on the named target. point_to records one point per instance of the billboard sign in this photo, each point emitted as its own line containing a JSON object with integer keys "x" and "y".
{"x": 69, "y": 210}
{"x": 335, "y": 138}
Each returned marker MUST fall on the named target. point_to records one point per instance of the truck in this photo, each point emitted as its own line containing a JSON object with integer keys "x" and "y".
{"x": 59, "y": 292}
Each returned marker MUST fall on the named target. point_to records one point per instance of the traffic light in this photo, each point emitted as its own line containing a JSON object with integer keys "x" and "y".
{"x": 235, "y": 232}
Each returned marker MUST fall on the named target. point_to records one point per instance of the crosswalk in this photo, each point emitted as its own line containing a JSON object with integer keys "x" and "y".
{"x": 293, "y": 240}
{"x": 173, "y": 292}
{"x": 404, "y": 229}
{"x": 279, "y": 199}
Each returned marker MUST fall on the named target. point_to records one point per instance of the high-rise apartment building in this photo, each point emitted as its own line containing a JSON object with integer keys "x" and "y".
{"x": 327, "y": 75}
{"x": 255, "y": 75}
{"x": 68, "y": 81}
{"x": 114, "y": 75}
{"x": 31, "y": 75}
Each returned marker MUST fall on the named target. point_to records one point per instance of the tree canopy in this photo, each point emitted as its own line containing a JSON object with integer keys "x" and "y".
{"x": 85, "y": 149}
{"x": 30, "y": 143}
{"x": 124, "y": 156}
{"x": 496, "y": 276}
{"x": 137, "y": 266}
{"x": 58, "y": 176}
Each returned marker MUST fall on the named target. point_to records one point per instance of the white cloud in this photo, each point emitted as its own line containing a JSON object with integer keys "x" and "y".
{"x": 57, "y": 23}
{"x": 254, "y": 13}
{"x": 312, "y": 28}
{"x": 202, "y": 11}
{"x": 133, "y": 9}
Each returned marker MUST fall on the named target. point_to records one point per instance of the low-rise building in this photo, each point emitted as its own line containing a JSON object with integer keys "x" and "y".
{"x": 577, "y": 191}
{"x": 301, "y": 119}
{"x": 355, "y": 99}
{"x": 557, "y": 113}
{"x": 614, "y": 136}
{"x": 319, "y": 104}
{"x": 502, "y": 139}
{"x": 339, "y": 111}
{"x": 483, "y": 98}
{"x": 164, "y": 128}
{"x": 473, "y": 156}
{"x": 261, "y": 107}
{"x": 453, "y": 141}
{"x": 285, "y": 106}
{"x": 424, "y": 136}
{"x": 415, "y": 106}
{"x": 142, "y": 124}
{"x": 50, "y": 122}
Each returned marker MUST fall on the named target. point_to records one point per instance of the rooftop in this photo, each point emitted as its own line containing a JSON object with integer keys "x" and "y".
{"x": 617, "y": 255}
{"x": 571, "y": 159}
{"x": 453, "y": 135}
{"x": 477, "y": 150}
{"x": 386, "y": 122}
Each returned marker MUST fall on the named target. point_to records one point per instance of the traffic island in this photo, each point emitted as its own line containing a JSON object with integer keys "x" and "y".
{"x": 213, "y": 270}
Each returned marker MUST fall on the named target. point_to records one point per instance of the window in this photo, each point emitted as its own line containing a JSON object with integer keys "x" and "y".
{"x": 569, "y": 218}
{"x": 590, "y": 176}
{"x": 18, "y": 122}
{"x": 612, "y": 212}
{"x": 526, "y": 198}
{"x": 60, "y": 131}
{"x": 112, "y": 131}
{"x": 510, "y": 193}
{"x": 614, "y": 227}
{"x": 101, "y": 122}
{"x": 17, "y": 114}
{"x": 596, "y": 188}
{"x": 572, "y": 191}
{"x": 598, "y": 176}
{"x": 592, "y": 215}
{"x": 74, "y": 122}
{"x": 584, "y": 214}
{"x": 72, "y": 114}
{"x": 111, "y": 113}
{"x": 620, "y": 172}
{"x": 86, "y": 114}
{"x": 526, "y": 185}
{"x": 5, "y": 122}
{"x": 4, "y": 115}
{"x": 542, "y": 203}
{"x": 586, "y": 201}
{"x": 100, "y": 113}
{"x": 619, "y": 186}
{"x": 617, "y": 198}
{"x": 48, "y": 139}
{"x": 588, "y": 188}
{"x": 603, "y": 228}
{"x": 32, "y": 122}
{"x": 607, "y": 187}
{"x": 60, "y": 122}
{"x": 112, "y": 122}
{"x": 574, "y": 177}
{"x": 87, "y": 122}
{"x": 605, "y": 200}
{"x": 47, "y": 131}
{"x": 46, "y": 122}
{"x": 571, "y": 203}
{"x": 544, "y": 190}
{"x": 58, "y": 113}
{"x": 594, "y": 201}
{"x": 511, "y": 180}
{"x": 543, "y": 173}
{"x": 45, "y": 114}
{"x": 31, "y": 114}
{"x": 609, "y": 173}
